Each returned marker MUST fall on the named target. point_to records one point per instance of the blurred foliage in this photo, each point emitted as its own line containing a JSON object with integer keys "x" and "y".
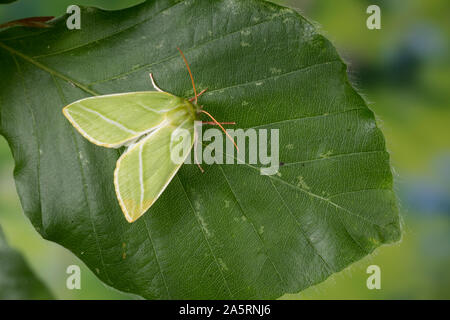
{"x": 403, "y": 71}
{"x": 17, "y": 281}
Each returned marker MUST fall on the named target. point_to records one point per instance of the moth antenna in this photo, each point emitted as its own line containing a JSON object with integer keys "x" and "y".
{"x": 190, "y": 74}
{"x": 225, "y": 131}
{"x": 154, "y": 83}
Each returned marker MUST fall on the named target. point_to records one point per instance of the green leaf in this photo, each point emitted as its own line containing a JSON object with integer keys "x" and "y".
{"x": 230, "y": 232}
{"x": 17, "y": 280}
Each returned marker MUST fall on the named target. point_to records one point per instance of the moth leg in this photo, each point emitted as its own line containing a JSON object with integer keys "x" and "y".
{"x": 215, "y": 124}
{"x": 201, "y": 92}
{"x": 154, "y": 84}
{"x": 195, "y": 153}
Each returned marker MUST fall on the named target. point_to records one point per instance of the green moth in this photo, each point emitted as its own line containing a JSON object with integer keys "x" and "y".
{"x": 143, "y": 122}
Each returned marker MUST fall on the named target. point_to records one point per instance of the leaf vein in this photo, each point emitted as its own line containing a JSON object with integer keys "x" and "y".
{"x": 308, "y": 239}
{"x": 326, "y": 114}
{"x": 339, "y": 155}
{"x": 48, "y": 69}
{"x": 176, "y": 55}
{"x": 157, "y": 259}
{"x": 252, "y": 224}
{"x": 108, "y": 36}
{"x": 206, "y": 239}
{"x": 304, "y": 68}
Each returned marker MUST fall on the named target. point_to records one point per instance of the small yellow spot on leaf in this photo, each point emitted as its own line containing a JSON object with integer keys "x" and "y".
{"x": 261, "y": 230}
{"x": 275, "y": 70}
{"x": 326, "y": 154}
{"x": 301, "y": 183}
{"x": 222, "y": 264}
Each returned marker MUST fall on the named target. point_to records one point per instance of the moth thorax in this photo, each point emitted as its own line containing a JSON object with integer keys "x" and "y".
{"x": 181, "y": 114}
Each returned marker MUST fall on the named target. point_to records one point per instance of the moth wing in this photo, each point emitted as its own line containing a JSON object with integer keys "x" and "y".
{"x": 115, "y": 120}
{"x": 144, "y": 171}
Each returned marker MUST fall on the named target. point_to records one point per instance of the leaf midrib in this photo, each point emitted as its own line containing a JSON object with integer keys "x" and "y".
{"x": 49, "y": 70}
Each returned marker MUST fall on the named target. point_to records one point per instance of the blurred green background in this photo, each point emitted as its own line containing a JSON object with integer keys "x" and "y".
{"x": 403, "y": 71}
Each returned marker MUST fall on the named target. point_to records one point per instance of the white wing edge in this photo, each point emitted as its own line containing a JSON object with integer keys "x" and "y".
{"x": 116, "y": 177}
{"x": 104, "y": 144}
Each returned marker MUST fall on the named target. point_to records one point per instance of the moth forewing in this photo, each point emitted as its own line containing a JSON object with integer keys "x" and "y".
{"x": 116, "y": 120}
